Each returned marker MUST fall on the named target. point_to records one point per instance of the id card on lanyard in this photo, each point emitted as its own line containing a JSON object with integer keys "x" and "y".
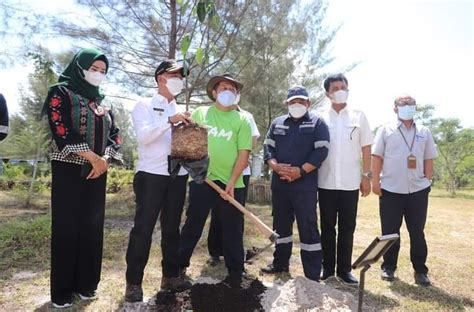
{"x": 411, "y": 159}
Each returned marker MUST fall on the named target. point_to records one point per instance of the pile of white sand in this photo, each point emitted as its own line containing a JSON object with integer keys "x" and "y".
{"x": 302, "y": 294}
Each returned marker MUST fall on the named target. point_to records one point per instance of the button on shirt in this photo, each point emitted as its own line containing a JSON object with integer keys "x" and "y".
{"x": 390, "y": 145}
{"x": 349, "y": 132}
{"x": 296, "y": 142}
{"x": 153, "y": 131}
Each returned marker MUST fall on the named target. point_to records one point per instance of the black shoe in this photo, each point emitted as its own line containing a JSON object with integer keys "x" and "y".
{"x": 388, "y": 275}
{"x": 234, "y": 279}
{"x": 88, "y": 295}
{"x": 175, "y": 284}
{"x": 326, "y": 274}
{"x": 348, "y": 278}
{"x": 213, "y": 260}
{"x": 63, "y": 303}
{"x": 270, "y": 269}
{"x": 422, "y": 279}
{"x": 133, "y": 293}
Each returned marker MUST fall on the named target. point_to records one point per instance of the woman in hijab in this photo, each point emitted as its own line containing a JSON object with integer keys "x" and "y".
{"x": 85, "y": 141}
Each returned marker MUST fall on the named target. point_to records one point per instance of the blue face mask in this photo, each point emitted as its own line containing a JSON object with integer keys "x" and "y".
{"x": 406, "y": 112}
{"x": 226, "y": 98}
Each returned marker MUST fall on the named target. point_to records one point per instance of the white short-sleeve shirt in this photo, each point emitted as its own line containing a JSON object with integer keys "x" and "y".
{"x": 349, "y": 131}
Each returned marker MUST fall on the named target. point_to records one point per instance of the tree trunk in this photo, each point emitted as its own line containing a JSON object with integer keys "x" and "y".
{"x": 33, "y": 178}
{"x": 173, "y": 32}
{"x": 452, "y": 187}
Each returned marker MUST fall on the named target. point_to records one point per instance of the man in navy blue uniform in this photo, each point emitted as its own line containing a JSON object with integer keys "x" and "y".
{"x": 3, "y": 118}
{"x": 295, "y": 146}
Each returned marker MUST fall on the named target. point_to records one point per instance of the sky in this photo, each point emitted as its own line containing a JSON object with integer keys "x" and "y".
{"x": 424, "y": 48}
{"x": 420, "y": 47}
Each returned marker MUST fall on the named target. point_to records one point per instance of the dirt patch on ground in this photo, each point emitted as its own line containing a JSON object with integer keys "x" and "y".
{"x": 228, "y": 296}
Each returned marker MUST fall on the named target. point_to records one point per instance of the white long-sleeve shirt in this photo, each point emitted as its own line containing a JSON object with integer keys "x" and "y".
{"x": 150, "y": 120}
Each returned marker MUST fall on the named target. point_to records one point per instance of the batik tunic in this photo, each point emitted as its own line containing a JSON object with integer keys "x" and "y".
{"x": 80, "y": 125}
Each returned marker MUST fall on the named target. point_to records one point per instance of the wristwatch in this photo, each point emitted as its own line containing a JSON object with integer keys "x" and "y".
{"x": 302, "y": 172}
{"x": 368, "y": 174}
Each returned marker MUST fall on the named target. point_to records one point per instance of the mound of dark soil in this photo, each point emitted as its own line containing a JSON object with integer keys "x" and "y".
{"x": 225, "y": 296}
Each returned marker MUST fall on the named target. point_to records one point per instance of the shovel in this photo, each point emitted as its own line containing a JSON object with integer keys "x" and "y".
{"x": 272, "y": 235}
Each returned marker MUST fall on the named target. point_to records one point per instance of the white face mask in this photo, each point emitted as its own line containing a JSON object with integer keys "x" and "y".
{"x": 175, "y": 85}
{"x": 340, "y": 96}
{"x": 406, "y": 112}
{"x": 93, "y": 77}
{"x": 297, "y": 110}
{"x": 226, "y": 98}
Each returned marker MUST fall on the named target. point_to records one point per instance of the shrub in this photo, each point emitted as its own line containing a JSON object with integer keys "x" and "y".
{"x": 24, "y": 243}
{"x": 118, "y": 179}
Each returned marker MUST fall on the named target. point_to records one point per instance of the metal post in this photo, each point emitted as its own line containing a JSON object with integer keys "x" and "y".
{"x": 361, "y": 287}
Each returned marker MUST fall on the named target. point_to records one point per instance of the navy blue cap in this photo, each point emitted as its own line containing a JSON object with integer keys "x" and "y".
{"x": 297, "y": 92}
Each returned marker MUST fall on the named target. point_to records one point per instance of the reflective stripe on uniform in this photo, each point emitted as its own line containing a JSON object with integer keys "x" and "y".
{"x": 3, "y": 129}
{"x": 319, "y": 144}
{"x": 310, "y": 247}
{"x": 282, "y": 127}
{"x": 269, "y": 142}
{"x": 285, "y": 240}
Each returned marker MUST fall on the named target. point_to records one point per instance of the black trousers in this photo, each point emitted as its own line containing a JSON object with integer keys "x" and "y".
{"x": 203, "y": 198}
{"x": 77, "y": 207}
{"x": 413, "y": 207}
{"x": 214, "y": 237}
{"x": 337, "y": 207}
{"x": 155, "y": 195}
{"x": 302, "y": 205}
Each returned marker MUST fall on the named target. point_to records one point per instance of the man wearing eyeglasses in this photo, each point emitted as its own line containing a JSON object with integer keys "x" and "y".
{"x": 341, "y": 178}
{"x": 402, "y": 164}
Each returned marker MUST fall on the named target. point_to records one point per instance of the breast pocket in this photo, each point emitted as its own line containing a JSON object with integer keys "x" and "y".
{"x": 352, "y": 132}
{"x": 306, "y": 129}
{"x": 419, "y": 147}
{"x": 280, "y": 130}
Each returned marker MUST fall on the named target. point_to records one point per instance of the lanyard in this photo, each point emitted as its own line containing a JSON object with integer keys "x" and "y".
{"x": 404, "y": 139}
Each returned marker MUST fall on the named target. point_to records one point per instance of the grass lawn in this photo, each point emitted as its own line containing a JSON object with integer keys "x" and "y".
{"x": 24, "y": 256}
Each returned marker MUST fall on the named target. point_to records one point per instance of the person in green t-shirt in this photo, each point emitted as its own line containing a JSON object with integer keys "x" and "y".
{"x": 229, "y": 145}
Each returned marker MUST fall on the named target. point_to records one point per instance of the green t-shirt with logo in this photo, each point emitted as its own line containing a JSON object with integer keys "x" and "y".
{"x": 227, "y": 134}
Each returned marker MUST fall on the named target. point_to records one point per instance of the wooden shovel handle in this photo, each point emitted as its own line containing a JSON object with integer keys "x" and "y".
{"x": 261, "y": 226}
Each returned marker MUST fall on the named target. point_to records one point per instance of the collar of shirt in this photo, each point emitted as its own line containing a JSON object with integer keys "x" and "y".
{"x": 159, "y": 100}
{"x": 345, "y": 110}
{"x": 401, "y": 124}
